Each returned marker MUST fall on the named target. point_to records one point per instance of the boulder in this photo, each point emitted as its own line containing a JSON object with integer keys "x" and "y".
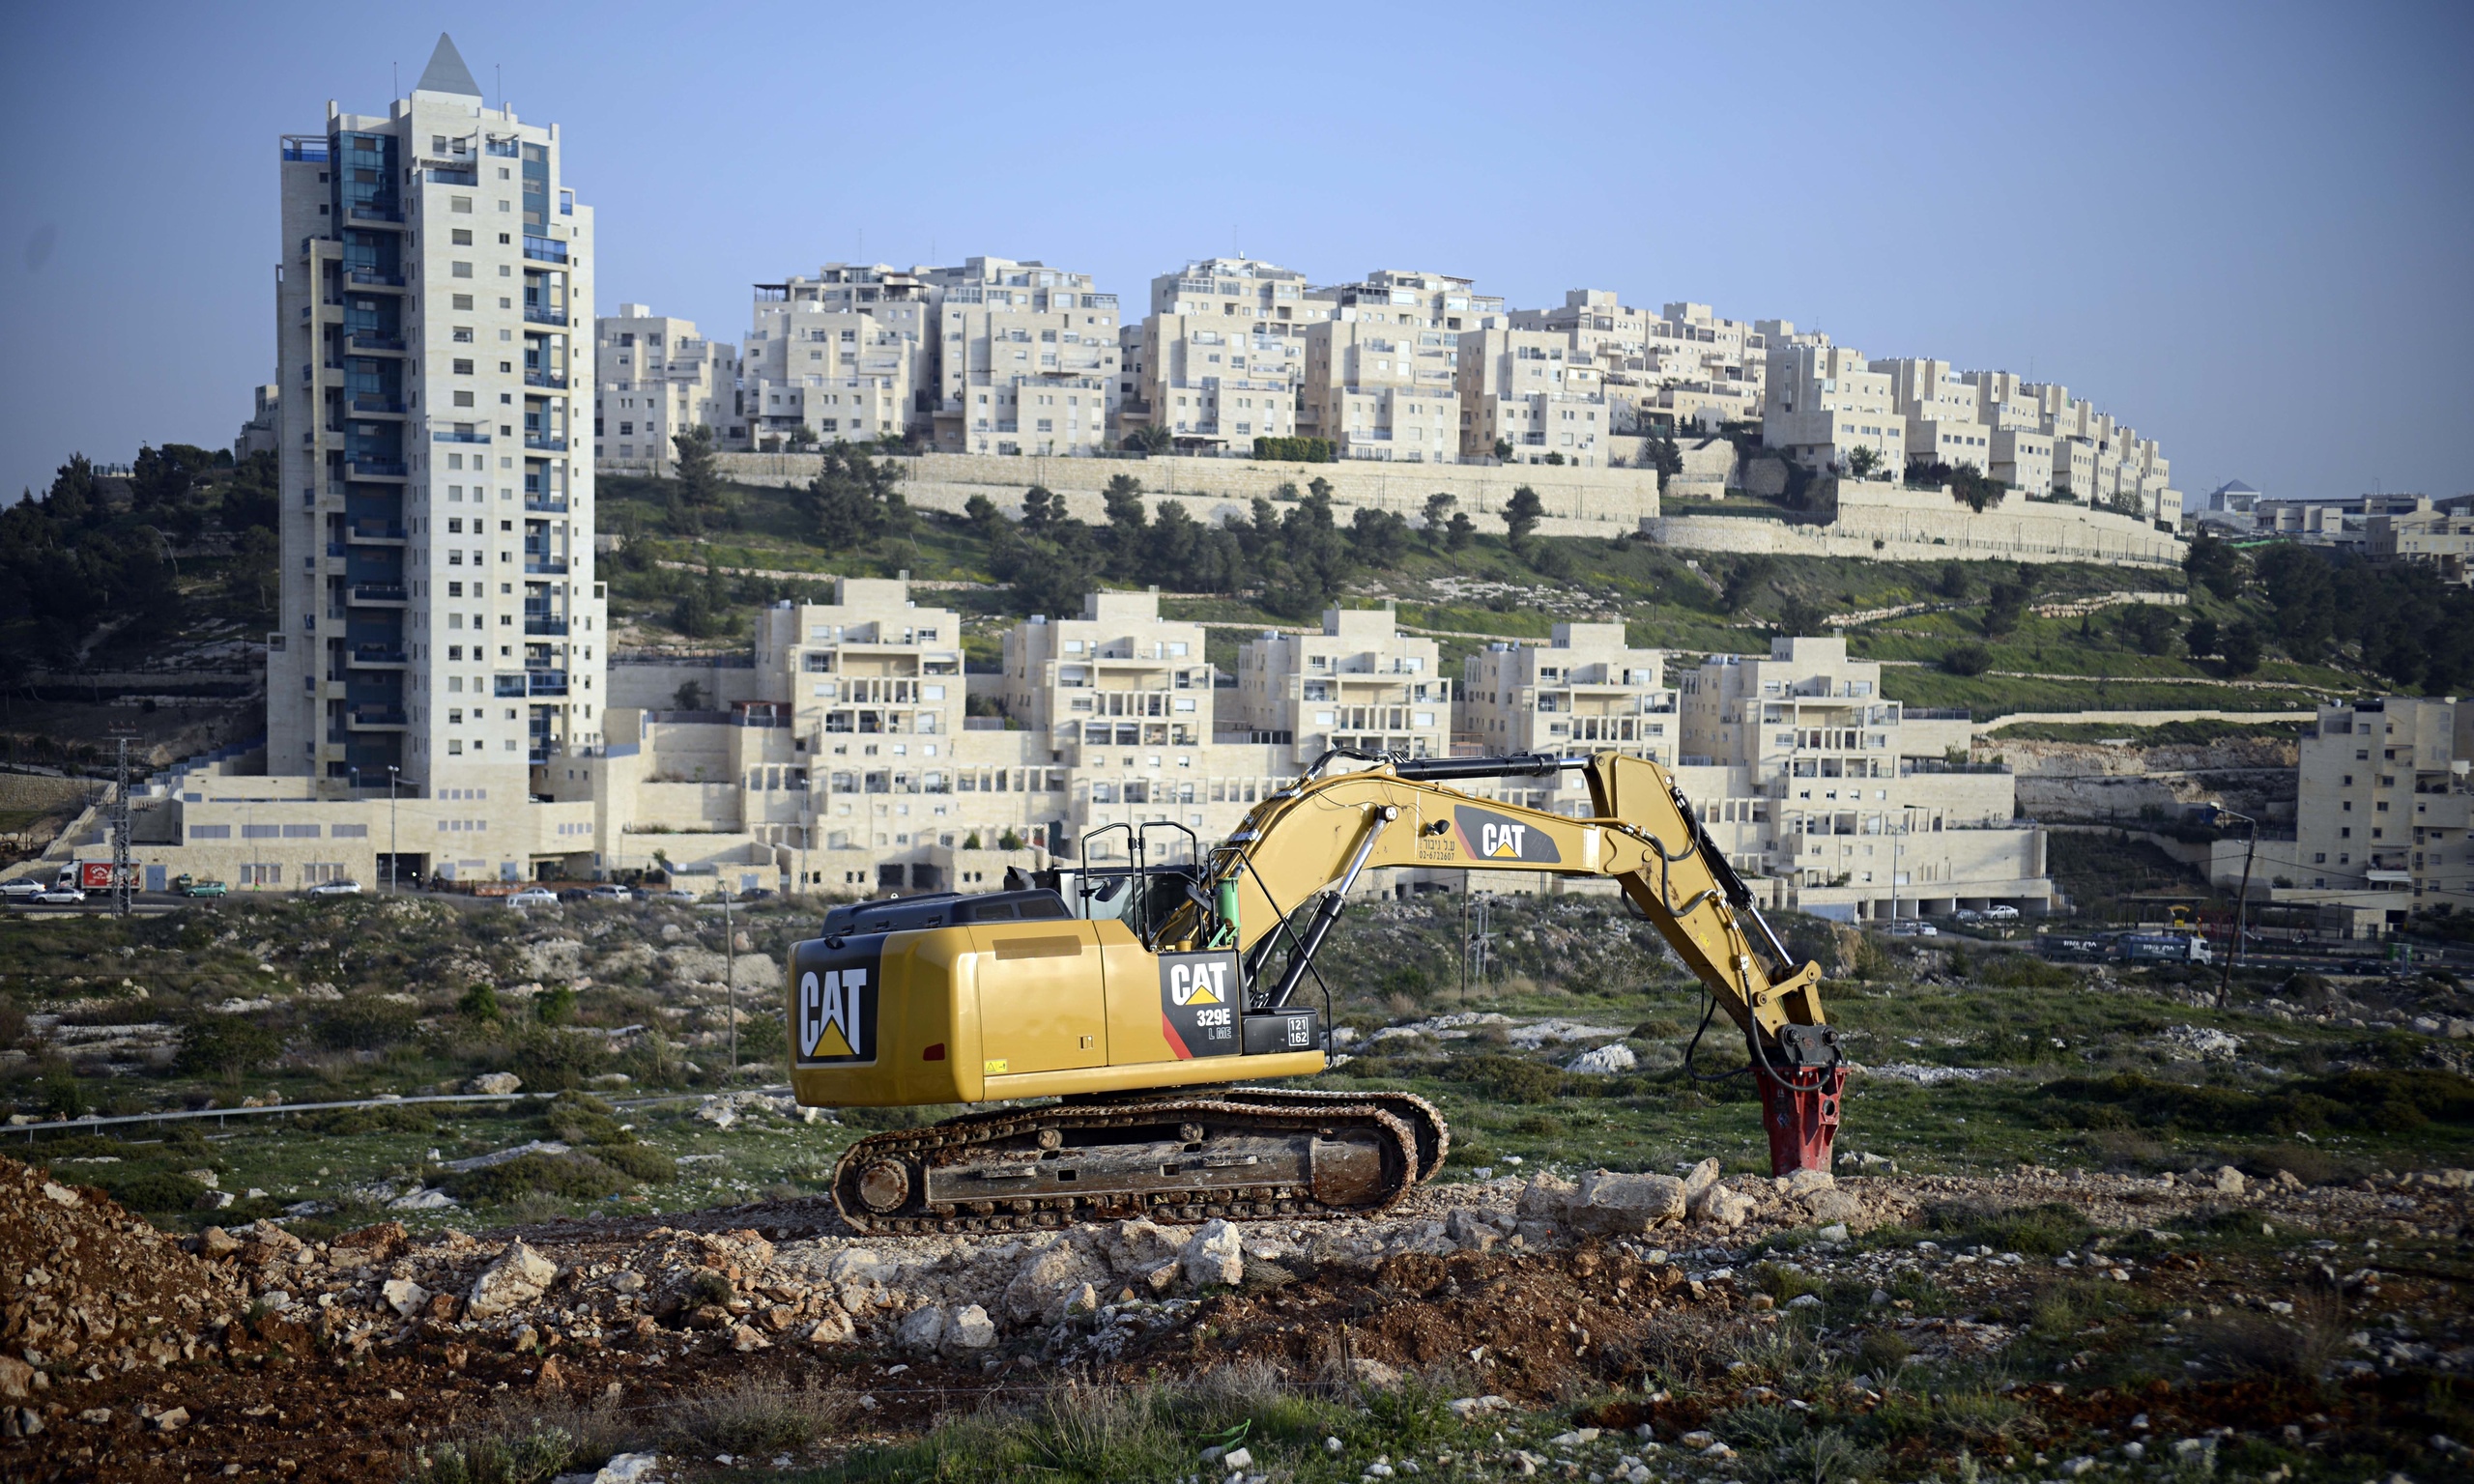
{"x": 1799, "y": 1183}
{"x": 1138, "y": 1247}
{"x": 216, "y": 1242}
{"x": 1214, "y": 1256}
{"x": 16, "y": 1378}
{"x": 2227, "y": 1180}
{"x": 834, "y": 1328}
{"x": 1045, "y": 1276}
{"x": 1368, "y": 1372}
{"x": 1834, "y": 1206}
{"x": 1471, "y": 1230}
{"x": 519, "y": 1276}
{"x": 923, "y": 1329}
{"x": 1605, "y": 1061}
{"x": 495, "y": 1084}
{"x": 369, "y": 1245}
{"x": 1700, "y": 1177}
{"x": 969, "y": 1328}
{"x": 1611, "y": 1205}
{"x": 404, "y": 1296}
{"x": 1545, "y": 1196}
{"x": 1720, "y": 1206}
{"x": 747, "y": 1337}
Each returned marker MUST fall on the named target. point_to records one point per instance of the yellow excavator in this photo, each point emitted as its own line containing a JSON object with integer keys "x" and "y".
{"x": 1138, "y": 996}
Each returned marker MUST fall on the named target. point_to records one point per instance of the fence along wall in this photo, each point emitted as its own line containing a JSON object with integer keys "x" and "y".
{"x": 1874, "y": 521}
{"x": 1579, "y": 501}
{"x": 1889, "y": 523}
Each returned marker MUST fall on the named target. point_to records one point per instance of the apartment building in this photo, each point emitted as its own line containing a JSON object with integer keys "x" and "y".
{"x": 2440, "y": 539}
{"x": 1218, "y": 357}
{"x": 2382, "y": 802}
{"x": 1382, "y": 372}
{"x": 1942, "y": 413}
{"x": 1360, "y": 683}
{"x": 261, "y": 434}
{"x": 1851, "y": 803}
{"x": 1118, "y": 676}
{"x": 1026, "y": 358}
{"x": 847, "y": 355}
{"x": 1596, "y": 325}
{"x": 1529, "y": 390}
{"x": 1823, "y": 402}
{"x": 658, "y": 377}
{"x": 435, "y": 698}
{"x": 440, "y": 553}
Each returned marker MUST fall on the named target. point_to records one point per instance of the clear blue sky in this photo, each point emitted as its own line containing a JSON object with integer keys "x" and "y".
{"x": 2244, "y": 228}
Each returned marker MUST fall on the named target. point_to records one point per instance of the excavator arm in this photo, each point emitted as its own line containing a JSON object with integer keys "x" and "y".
{"x": 1311, "y": 841}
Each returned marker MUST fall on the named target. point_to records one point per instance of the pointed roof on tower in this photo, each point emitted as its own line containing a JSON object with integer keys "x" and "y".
{"x": 446, "y": 72}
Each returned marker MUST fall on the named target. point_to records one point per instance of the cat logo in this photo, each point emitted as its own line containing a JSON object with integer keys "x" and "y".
{"x": 837, "y": 1015}
{"x": 1205, "y": 982}
{"x": 1490, "y": 837}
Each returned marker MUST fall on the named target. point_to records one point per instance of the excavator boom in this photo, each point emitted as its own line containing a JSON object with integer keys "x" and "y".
{"x": 1140, "y": 1024}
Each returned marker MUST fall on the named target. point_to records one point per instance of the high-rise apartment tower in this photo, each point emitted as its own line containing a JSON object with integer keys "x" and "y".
{"x": 441, "y": 626}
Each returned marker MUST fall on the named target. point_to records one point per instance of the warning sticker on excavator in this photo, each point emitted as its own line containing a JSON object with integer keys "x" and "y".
{"x": 1488, "y": 835}
{"x": 1198, "y": 994}
{"x": 834, "y": 1016}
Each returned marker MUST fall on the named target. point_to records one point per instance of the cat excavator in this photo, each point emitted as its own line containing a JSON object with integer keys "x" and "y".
{"x": 1109, "y": 1014}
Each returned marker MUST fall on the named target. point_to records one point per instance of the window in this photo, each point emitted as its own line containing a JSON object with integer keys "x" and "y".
{"x": 464, "y": 368}
{"x": 461, "y": 270}
{"x": 461, "y": 206}
{"x": 463, "y": 237}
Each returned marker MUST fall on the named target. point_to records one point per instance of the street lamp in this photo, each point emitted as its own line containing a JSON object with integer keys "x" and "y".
{"x": 2241, "y": 903}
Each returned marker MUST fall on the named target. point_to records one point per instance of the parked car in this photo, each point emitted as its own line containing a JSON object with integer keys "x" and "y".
{"x": 533, "y": 897}
{"x": 1969, "y": 915}
{"x": 335, "y": 888}
{"x": 187, "y": 885}
{"x": 753, "y": 894}
{"x": 683, "y": 894}
{"x": 2001, "y": 912}
{"x": 575, "y": 893}
{"x": 21, "y": 889}
{"x": 610, "y": 891}
{"x": 60, "y": 897}
{"x": 1908, "y": 928}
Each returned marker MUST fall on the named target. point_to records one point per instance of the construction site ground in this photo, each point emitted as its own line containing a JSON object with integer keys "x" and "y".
{"x": 2037, "y": 1325}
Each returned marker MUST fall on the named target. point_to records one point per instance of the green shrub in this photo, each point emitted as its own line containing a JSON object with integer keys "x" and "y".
{"x": 1508, "y": 1078}
{"x": 525, "y": 1457}
{"x": 159, "y": 1190}
{"x": 479, "y": 1003}
{"x": 2048, "y": 1230}
{"x": 2391, "y": 1099}
{"x": 2024, "y": 971}
{"x": 365, "y": 1022}
{"x": 226, "y": 1047}
{"x": 639, "y": 1163}
{"x": 574, "y": 1176}
{"x": 551, "y": 1058}
{"x": 347, "y": 1122}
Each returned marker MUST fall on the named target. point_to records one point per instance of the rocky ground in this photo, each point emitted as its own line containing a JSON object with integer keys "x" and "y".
{"x": 251, "y": 1354}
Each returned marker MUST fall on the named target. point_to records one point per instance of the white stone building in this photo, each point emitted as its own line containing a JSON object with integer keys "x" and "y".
{"x": 1026, "y": 358}
{"x": 658, "y": 377}
{"x": 848, "y": 354}
{"x": 1219, "y": 359}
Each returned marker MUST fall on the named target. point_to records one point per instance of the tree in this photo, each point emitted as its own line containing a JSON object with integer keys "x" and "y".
{"x": 689, "y": 697}
{"x": 2149, "y": 626}
{"x": 1863, "y": 460}
{"x": 1965, "y": 659}
{"x": 2216, "y": 565}
{"x": 1438, "y": 515}
{"x": 1128, "y": 527}
{"x": 74, "y": 498}
{"x": 1041, "y": 509}
{"x": 163, "y": 476}
{"x": 1521, "y": 515}
{"x": 2005, "y": 606}
{"x": 853, "y": 497}
{"x": 2202, "y": 638}
{"x": 1664, "y": 457}
{"x": 2302, "y": 594}
{"x": 985, "y": 519}
{"x": 1797, "y": 616}
{"x": 2241, "y": 648}
{"x": 251, "y": 579}
{"x": 251, "y": 496}
{"x": 1955, "y": 585}
{"x": 1460, "y": 532}
{"x": 1151, "y": 438}
{"x": 1378, "y": 538}
{"x": 698, "y": 475}
{"x": 226, "y": 1047}
{"x": 1744, "y": 581}
{"x": 1503, "y": 448}
{"x": 1973, "y": 489}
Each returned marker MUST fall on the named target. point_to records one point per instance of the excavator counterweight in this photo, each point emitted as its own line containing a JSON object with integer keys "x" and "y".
{"x": 1137, "y": 996}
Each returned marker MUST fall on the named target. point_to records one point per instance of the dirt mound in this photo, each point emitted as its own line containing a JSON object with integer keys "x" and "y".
{"x": 83, "y": 1281}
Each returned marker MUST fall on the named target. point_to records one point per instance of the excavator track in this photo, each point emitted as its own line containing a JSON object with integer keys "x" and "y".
{"x": 1425, "y": 1121}
{"x": 1256, "y": 1156}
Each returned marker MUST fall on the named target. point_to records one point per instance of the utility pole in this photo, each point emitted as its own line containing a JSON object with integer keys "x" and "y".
{"x": 730, "y": 975}
{"x": 394, "y": 862}
{"x": 2241, "y": 905}
{"x": 124, "y": 889}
